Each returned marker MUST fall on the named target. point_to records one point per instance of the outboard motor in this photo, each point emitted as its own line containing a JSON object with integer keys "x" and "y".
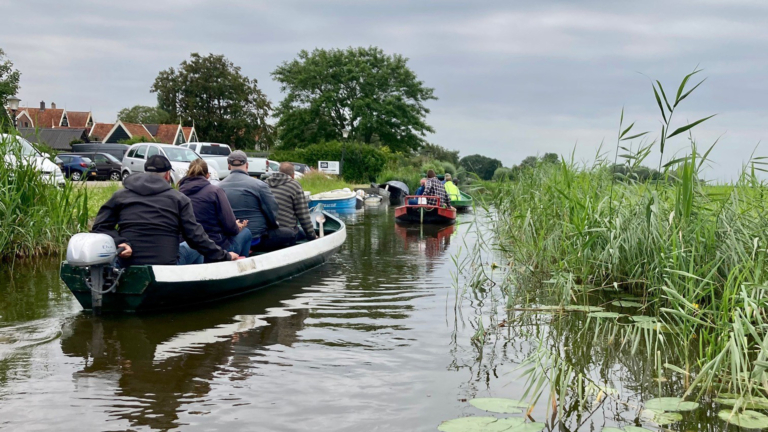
{"x": 97, "y": 253}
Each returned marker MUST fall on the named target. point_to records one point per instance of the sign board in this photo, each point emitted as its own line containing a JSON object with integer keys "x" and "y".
{"x": 328, "y": 167}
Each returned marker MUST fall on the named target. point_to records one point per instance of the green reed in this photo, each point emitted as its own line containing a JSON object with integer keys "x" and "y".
{"x": 696, "y": 254}
{"x": 36, "y": 217}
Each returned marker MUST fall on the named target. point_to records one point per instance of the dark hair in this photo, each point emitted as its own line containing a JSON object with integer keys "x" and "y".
{"x": 430, "y": 174}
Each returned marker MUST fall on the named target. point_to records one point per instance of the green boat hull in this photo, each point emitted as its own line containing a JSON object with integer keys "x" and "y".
{"x": 464, "y": 201}
{"x": 141, "y": 290}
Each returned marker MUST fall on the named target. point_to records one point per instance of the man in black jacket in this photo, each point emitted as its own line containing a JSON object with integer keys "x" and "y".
{"x": 147, "y": 217}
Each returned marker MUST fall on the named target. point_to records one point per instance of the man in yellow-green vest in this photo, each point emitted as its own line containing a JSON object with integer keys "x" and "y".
{"x": 451, "y": 189}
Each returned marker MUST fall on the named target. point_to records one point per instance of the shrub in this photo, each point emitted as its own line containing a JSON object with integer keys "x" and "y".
{"x": 435, "y": 166}
{"x": 503, "y": 174}
{"x": 407, "y": 175}
{"x": 362, "y": 162}
{"x": 449, "y": 168}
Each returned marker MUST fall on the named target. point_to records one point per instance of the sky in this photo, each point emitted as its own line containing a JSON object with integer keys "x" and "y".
{"x": 513, "y": 79}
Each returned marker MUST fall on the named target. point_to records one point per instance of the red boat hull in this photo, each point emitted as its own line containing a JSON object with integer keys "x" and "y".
{"x": 425, "y": 214}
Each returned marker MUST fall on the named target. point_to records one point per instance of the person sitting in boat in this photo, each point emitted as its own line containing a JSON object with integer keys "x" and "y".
{"x": 292, "y": 210}
{"x": 451, "y": 189}
{"x": 250, "y": 198}
{"x": 419, "y": 191}
{"x": 148, "y": 216}
{"x": 434, "y": 187}
{"x": 213, "y": 212}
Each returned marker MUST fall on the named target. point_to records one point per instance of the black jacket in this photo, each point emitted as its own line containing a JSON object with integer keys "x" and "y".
{"x": 212, "y": 209}
{"x": 150, "y": 215}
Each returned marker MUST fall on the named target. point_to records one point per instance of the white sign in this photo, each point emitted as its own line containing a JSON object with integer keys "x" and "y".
{"x": 328, "y": 167}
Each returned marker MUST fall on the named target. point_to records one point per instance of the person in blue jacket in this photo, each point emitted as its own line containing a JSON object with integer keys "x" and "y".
{"x": 419, "y": 191}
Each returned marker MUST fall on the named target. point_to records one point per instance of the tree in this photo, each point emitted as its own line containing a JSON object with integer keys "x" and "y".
{"x": 144, "y": 115}
{"x": 550, "y": 158}
{"x": 481, "y": 165}
{"x": 434, "y": 151}
{"x": 372, "y": 94}
{"x": 9, "y": 81}
{"x": 225, "y": 105}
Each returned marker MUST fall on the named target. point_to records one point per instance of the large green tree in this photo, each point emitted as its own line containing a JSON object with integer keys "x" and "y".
{"x": 375, "y": 96}
{"x": 144, "y": 115}
{"x": 225, "y": 105}
{"x": 9, "y": 79}
{"x": 481, "y": 165}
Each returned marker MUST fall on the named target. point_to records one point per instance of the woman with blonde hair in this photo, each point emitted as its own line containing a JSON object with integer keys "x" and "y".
{"x": 213, "y": 211}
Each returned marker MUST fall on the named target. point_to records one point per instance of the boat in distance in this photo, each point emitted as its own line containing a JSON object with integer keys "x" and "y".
{"x": 340, "y": 199}
{"x": 423, "y": 213}
{"x": 157, "y": 287}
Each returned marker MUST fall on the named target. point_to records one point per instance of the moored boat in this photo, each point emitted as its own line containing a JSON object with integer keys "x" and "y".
{"x": 397, "y": 191}
{"x": 424, "y": 213}
{"x": 464, "y": 201}
{"x": 340, "y": 199}
{"x": 147, "y": 288}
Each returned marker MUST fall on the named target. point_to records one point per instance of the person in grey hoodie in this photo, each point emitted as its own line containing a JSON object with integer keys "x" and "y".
{"x": 148, "y": 216}
{"x": 250, "y": 199}
{"x": 292, "y": 209}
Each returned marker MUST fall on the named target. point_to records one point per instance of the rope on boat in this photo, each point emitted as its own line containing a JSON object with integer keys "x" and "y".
{"x": 111, "y": 288}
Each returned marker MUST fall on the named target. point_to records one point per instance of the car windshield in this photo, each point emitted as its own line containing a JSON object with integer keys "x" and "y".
{"x": 215, "y": 150}
{"x": 86, "y": 160}
{"x": 178, "y": 154}
{"x": 26, "y": 147}
{"x": 274, "y": 166}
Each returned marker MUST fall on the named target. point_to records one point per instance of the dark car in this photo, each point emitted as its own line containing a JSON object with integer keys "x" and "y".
{"x": 116, "y": 150}
{"x": 107, "y": 166}
{"x": 300, "y": 167}
{"x": 76, "y": 167}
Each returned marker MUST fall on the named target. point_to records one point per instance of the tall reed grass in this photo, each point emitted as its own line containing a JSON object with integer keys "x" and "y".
{"x": 697, "y": 254}
{"x": 36, "y": 217}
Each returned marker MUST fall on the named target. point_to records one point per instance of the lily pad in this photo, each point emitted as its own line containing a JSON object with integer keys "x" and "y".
{"x": 489, "y": 424}
{"x": 746, "y": 419}
{"x": 670, "y": 404}
{"x": 499, "y": 405}
{"x": 604, "y": 315}
{"x": 626, "y": 303}
{"x": 750, "y": 402}
{"x": 642, "y": 318}
{"x": 661, "y": 418}
{"x": 581, "y": 308}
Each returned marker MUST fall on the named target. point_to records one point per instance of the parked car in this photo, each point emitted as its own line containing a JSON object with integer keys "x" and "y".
{"x": 107, "y": 166}
{"x": 18, "y": 146}
{"x": 301, "y": 168}
{"x": 76, "y": 167}
{"x": 257, "y": 166}
{"x": 213, "y": 153}
{"x": 116, "y": 150}
{"x": 180, "y": 157}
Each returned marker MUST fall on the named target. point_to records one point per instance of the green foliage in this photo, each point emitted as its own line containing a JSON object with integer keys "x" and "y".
{"x": 481, "y": 165}
{"x": 135, "y": 140}
{"x": 144, "y": 115}
{"x": 362, "y": 163}
{"x": 76, "y": 141}
{"x": 37, "y": 217}
{"x": 436, "y": 152}
{"x": 502, "y": 174}
{"x": 449, "y": 168}
{"x": 435, "y": 166}
{"x": 316, "y": 182}
{"x": 225, "y": 105}
{"x": 9, "y": 79}
{"x": 408, "y": 175}
{"x": 372, "y": 94}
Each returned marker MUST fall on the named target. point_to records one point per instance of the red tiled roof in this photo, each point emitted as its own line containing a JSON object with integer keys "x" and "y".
{"x": 100, "y": 131}
{"x": 136, "y": 129}
{"x": 77, "y": 119}
{"x": 47, "y": 118}
{"x": 166, "y": 133}
{"x": 187, "y": 131}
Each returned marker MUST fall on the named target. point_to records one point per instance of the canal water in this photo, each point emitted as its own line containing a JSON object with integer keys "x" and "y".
{"x": 375, "y": 340}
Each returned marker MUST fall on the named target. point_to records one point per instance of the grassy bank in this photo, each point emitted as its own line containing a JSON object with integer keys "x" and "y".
{"x": 693, "y": 256}
{"x": 316, "y": 182}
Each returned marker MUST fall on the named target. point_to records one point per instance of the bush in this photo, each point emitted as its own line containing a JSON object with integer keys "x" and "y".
{"x": 362, "y": 162}
{"x": 135, "y": 140}
{"x": 503, "y": 174}
{"x": 449, "y": 168}
{"x": 407, "y": 175}
{"x": 435, "y": 166}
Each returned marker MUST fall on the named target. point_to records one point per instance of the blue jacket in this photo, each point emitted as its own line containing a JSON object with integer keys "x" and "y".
{"x": 212, "y": 209}
{"x": 420, "y": 190}
{"x": 251, "y": 200}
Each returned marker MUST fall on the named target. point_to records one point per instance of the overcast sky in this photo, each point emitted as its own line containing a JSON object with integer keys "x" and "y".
{"x": 512, "y": 78}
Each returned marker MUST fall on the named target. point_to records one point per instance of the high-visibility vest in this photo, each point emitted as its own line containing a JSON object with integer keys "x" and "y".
{"x": 452, "y": 190}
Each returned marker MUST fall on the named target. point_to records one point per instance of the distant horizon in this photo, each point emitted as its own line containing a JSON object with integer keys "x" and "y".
{"x": 512, "y": 80}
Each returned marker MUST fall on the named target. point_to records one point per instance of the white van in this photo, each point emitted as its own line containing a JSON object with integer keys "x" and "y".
{"x": 50, "y": 171}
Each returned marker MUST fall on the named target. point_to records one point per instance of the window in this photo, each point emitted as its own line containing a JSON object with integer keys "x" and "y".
{"x": 132, "y": 152}
{"x": 214, "y": 149}
{"x": 178, "y": 154}
{"x": 152, "y": 151}
{"x": 100, "y": 159}
{"x": 86, "y": 160}
{"x": 26, "y": 124}
{"x": 184, "y": 145}
{"x": 112, "y": 158}
{"x": 141, "y": 151}
{"x": 64, "y": 121}
{"x": 180, "y": 138}
{"x": 65, "y": 159}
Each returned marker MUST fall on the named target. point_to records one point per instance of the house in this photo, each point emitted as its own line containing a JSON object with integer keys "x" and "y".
{"x": 52, "y": 117}
{"x": 160, "y": 133}
{"x": 55, "y": 138}
{"x": 173, "y": 134}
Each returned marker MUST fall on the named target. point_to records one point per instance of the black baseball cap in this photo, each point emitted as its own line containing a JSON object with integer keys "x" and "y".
{"x": 157, "y": 164}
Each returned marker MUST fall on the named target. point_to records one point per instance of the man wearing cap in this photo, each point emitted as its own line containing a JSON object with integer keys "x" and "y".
{"x": 250, "y": 198}
{"x": 148, "y": 216}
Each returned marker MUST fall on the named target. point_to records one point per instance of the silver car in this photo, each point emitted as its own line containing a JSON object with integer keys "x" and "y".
{"x": 133, "y": 161}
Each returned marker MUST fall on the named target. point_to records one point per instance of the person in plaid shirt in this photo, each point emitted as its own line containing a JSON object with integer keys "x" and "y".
{"x": 435, "y": 188}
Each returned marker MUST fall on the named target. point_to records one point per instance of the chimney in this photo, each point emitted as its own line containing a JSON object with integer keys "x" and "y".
{"x": 42, "y": 105}
{"x": 53, "y": 105}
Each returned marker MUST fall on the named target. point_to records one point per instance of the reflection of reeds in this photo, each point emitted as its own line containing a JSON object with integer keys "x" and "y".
{"x": 696, "y": 254}
{"x": 36, "y": 217}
